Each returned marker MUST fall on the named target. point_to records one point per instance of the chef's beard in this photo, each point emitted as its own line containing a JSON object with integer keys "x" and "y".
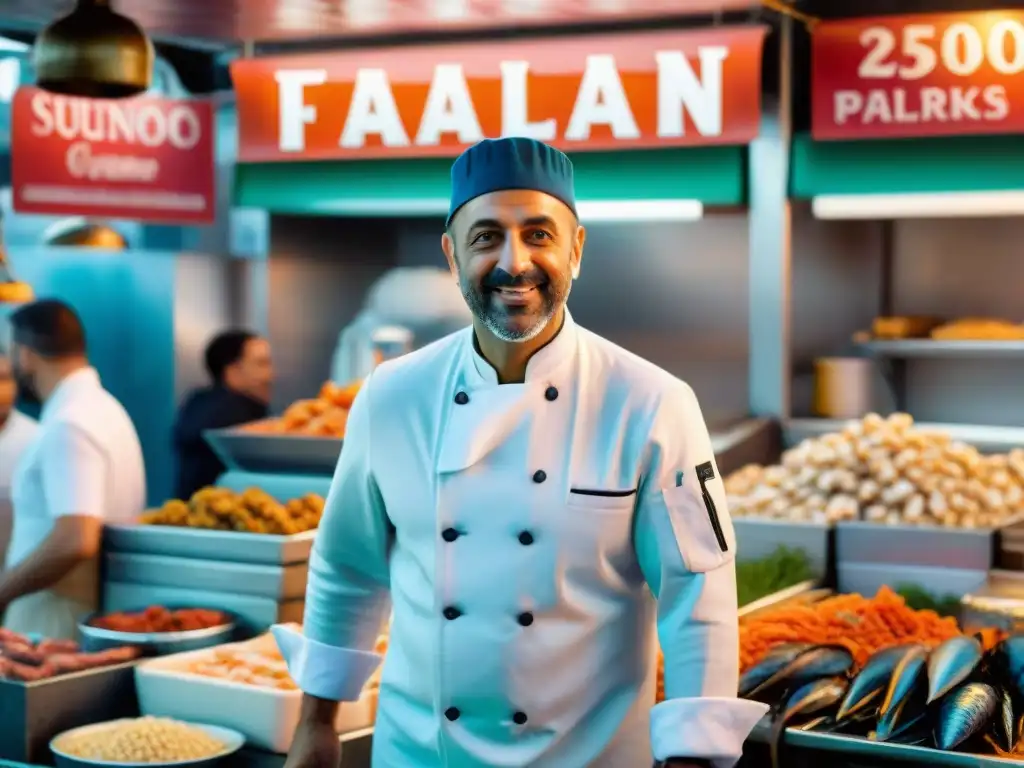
{"x": 496, "y": 317}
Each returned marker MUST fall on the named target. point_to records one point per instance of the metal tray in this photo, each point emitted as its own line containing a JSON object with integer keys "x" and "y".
{"x": 858, "y": 542}
{"x": 201, "y": 544}
{"x": 804, "y": 593}
{"x": 255, "y": 452}
{"x": 154, "y": 643}
{"x": 280, "y": 582}
{"x": 867, "y": 578}
{"x": 355, "y": 753}
{"x": 757, "y": 538}
{"x": 254, "y": 614}
{"x": 997, "y": 603}
{"x": 33, "y": 713}
{"x": 853, "y": 746}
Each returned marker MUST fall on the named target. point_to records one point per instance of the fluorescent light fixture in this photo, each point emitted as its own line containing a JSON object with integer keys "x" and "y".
{"x": 919, "y": 206}
{"x": 590, "y": 211}
{"x": 623, "y": 211}
{"x": 413, "y": 206}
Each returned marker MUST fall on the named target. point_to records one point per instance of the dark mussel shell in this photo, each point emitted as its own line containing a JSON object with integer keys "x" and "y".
{"x": 811, "y": 698}
{"x": 1004, "y": 725}
{"x": 773, "y": 661}
{"x": 816, "y": 662}
{"x": 901, "y": 703}
{"x": 1009, "y": 658}
{"x": 814, "y": 697}
{"x": 868, "y": 687}
{"x": 950, "y": 664}
{"x": 966, "y": 711}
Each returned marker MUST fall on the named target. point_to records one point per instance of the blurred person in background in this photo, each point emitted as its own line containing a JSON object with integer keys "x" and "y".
{"x": 16, "y": 432}
{"x": 83, "y": 469}
{"x": 242, "y": 378}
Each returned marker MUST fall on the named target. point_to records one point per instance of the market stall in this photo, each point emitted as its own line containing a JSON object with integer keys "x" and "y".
{"x": 353, "y": 195}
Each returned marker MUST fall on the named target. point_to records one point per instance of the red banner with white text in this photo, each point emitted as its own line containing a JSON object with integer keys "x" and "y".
{"x": 929, "y": 75}
{"x": 147, "y": 159}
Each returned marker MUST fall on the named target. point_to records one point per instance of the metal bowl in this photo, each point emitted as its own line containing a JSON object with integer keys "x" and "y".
{"x": 155, "y": 643}
{"x": 232, "y": 739}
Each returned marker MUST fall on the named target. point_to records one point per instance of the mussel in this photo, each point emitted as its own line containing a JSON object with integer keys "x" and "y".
{"x": 870, "y": 684}
{"x": 809, "y": 699}
{"x": 965, "y": 712}
{"x": 1010, "y": 660}
{"x": 777, "y": 658}
{"x": 950, "y": 664}
{"x": 900, "y": 706}
{"x": 1004, "y": 725}
{"x": 814, "y": 663}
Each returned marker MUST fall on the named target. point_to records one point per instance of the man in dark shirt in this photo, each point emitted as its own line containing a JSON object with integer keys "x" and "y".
{"x": 242, "y": 371}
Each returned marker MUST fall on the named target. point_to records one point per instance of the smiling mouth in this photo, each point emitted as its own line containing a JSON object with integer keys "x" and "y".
{"x": 517, "y": 296}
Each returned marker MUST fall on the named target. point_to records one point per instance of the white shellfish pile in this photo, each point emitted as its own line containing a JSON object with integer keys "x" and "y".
{"x": 883, "y": 470}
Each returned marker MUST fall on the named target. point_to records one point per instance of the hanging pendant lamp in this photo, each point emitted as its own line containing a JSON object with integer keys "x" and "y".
{"x": 94, "y": 52}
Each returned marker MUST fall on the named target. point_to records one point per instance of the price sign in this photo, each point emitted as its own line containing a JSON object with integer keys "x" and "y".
{"x": 902, "y": 76}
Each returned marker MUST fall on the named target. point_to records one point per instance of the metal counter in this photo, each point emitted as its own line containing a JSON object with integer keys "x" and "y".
{"x": 355, "y": 753}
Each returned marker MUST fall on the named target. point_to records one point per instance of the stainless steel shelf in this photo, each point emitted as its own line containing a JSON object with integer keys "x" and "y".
{"x": 985, "y": 439}
{"x": 906, "y": 348}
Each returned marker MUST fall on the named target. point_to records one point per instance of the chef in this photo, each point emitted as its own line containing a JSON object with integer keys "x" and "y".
{"x": 84, "y": 468}
{"x": 535, "y": 501}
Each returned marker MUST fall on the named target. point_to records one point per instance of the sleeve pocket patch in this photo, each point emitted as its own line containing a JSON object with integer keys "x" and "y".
{"x": 702, "y": 526}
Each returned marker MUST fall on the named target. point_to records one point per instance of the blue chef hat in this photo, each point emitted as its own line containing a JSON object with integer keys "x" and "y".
{"x": 495, "y": 165}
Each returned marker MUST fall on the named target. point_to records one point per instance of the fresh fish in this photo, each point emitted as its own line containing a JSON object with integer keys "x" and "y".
{"x": 965, "y": 712}
{"x": 950, "y": 664}
{"x": 816, "y": 662}
{"x": 809, "y": 699}
{"x": 901, "y": 704}
{"x": 868, "y": 687}
{"x": 1004, "y": 726}
{"x": 773, "y": 661}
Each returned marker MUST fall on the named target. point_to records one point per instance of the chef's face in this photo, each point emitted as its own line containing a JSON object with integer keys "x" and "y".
{"x": 25, "y": 363}
{"x": 8, "y": 389}
{"x": 515, "y": 254}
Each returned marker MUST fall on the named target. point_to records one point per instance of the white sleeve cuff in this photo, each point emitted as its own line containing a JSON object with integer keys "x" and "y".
{"x": 324, "y": 671}
{"x": 708, "y": 728}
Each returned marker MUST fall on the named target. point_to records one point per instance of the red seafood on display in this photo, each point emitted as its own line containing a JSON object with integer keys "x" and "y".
{"x": 156, "y": 619}
{"x": 25, "y": 661}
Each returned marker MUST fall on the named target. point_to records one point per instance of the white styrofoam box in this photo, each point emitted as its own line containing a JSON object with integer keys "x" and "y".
{"x": 267, "y": 717}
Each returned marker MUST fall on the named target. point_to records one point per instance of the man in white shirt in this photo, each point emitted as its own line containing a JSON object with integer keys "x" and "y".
{"x": 16, "y": 432}
{"x": 84, "y": 469}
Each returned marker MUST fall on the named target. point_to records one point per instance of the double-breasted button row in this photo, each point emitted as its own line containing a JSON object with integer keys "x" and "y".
{"x": 452, "y": 612}
{"x": 550, "y": 394}
{"x": 451, "y": 534}
{"x": 453, "y": 713}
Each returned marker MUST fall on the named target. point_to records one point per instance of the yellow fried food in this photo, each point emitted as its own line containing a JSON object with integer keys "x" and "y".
{"x": 324, "y": 416}
{"x": 142, "y": 740}
{"x": 252, "y": 511}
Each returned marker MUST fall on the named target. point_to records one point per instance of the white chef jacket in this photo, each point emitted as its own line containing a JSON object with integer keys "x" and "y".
{"x": 85, "y": 460}
{"x": 15, "y": 436}
{"x": 517, "y": 529}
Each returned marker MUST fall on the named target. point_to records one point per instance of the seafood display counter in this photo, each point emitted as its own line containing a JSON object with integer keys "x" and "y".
{"x": 872, "y": 681}
{"x": 884, "y": 502}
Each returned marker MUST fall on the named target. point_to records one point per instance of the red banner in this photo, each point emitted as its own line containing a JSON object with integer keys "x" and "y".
{"x": 933, "y": 75}
{"x": 146, "y": 159}
{"x": 622, "y": 91}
